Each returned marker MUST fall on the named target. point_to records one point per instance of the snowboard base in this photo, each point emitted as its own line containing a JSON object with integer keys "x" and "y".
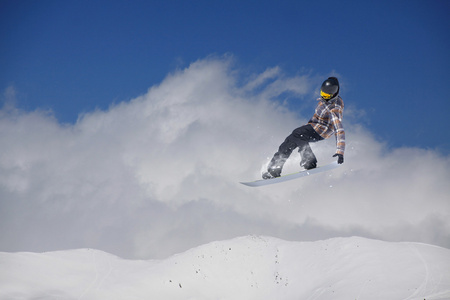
{"x": 291, "y": 176}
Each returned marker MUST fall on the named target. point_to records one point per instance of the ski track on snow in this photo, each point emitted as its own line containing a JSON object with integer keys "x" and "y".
{"x": 428, "y": 280}
{"x": 361, "y": 290}
{"x": 97, "y": 276}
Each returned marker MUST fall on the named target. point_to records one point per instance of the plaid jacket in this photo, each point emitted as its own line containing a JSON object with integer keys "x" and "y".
{"x": 327, "y": 120}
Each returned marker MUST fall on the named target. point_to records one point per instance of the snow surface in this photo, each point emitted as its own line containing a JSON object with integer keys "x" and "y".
{"x": 250, "y": 267}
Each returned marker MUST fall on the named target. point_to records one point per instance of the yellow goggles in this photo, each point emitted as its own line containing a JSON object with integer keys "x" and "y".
{"x": 325, "y": 95}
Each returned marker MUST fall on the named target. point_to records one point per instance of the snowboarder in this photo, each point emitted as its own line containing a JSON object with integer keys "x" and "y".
{"x": 326, "y": 121}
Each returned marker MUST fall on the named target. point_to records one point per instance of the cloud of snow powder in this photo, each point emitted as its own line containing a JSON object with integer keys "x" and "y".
{"x": 160, "y": 174}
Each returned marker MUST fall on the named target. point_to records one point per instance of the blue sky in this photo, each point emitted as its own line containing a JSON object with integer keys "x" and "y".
{"x": 392, "y": 56}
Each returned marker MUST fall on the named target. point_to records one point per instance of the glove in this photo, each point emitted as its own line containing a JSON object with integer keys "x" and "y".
{"x": 340, "y": 158}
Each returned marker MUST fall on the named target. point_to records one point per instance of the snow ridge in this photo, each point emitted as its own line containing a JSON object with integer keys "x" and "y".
{"x": 250, "y": 267}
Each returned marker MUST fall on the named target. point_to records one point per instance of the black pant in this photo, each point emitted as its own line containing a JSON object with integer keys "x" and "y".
{"x": 300, "y": 137}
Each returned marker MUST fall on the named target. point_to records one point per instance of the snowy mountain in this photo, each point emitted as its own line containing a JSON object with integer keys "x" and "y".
{"x": 250, "y": 267}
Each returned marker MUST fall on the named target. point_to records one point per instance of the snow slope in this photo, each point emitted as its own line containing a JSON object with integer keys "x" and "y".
{"x": 250, "y": 267}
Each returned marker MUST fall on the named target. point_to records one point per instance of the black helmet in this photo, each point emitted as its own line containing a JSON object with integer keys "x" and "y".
{"x": 330, "y": 88}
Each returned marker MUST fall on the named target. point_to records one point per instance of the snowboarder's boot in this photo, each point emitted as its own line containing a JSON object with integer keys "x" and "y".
{"x": 275, "y": 166}
{"x": 309, "y": 165}
{"x": 267, "y": 175}
{"x": 309, "y": 160}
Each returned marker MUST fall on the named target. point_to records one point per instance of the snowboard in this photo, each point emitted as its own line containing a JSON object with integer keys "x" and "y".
{"x": 291, "y": 176}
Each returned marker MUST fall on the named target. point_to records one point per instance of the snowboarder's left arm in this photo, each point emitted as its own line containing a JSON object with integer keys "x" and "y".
{"x": 339, "y": 130}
